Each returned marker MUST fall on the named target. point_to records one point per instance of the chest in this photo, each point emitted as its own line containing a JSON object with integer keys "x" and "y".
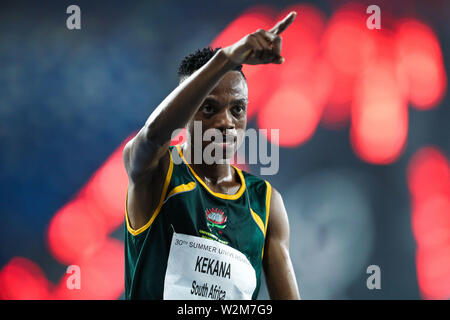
{"x": 229, "y": 222}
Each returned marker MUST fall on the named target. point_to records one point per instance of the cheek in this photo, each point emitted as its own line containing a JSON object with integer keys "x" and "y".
{"x": 196, "y": 125}
{"x": 242, "y": 123}
{"x": 241, "y": 127}
{"x": 199, "y": 117}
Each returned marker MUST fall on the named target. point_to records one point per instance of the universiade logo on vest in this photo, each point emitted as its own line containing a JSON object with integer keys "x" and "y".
{"x": 250, "y": 146}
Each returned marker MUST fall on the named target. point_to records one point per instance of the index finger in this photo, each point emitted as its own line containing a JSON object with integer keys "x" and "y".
{"x": 283, "y": 24}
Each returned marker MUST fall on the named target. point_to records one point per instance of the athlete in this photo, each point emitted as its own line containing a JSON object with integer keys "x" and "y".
{"x": 196, "y": 230}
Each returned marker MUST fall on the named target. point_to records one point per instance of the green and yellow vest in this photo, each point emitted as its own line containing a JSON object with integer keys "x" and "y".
{"x": 188, "y": 206}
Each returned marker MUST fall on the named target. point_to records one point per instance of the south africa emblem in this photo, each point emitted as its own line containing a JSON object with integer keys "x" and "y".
{"x": 216, "y": 219}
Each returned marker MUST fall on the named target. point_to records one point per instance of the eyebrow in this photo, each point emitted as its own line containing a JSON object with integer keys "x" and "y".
{"x": 214, "y": 100}
{"x": 210, "y": 99}
{"x": 243, "y": 100}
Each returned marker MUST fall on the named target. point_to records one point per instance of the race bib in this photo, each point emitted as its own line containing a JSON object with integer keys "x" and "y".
{"x": 202, "y": 269}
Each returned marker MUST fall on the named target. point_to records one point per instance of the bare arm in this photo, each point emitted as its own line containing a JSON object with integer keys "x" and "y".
{"x": 278, "y": 269}
{"x": 145, "y": 156}
{"x": 143, "y": 152}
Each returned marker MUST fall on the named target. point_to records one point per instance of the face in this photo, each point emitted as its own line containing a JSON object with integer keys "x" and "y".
{"x": 224, "y": 109}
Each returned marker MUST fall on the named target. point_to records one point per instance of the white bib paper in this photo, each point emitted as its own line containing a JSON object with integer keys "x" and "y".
{"x": 204, "y": 269}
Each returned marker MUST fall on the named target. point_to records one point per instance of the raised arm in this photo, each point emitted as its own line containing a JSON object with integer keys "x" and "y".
{"x": 278, "y": 269}
{"x": 145, "y": 156}
{"x": 143, "y": 152}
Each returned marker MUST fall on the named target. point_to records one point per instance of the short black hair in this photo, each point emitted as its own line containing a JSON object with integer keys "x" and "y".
{"x": 198, "y": 59}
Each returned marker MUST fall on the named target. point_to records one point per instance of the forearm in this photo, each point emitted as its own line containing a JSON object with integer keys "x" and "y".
{"x": 183, "y": 102}
{"x": 280, "y": 276}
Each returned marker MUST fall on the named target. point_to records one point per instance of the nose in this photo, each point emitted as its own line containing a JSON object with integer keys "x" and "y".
{"x": 224, "y": 120}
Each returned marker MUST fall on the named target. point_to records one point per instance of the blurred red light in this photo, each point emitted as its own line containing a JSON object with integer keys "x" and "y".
{"x": 379, "y": 116}
{"x": 74, "y": 232}
{"x": 431, "y": 222}
{"x": 23, "y": 279}
{"x": 293, "y": 114}
{"x": 433, "y": 272}
{"x": 428, "y": 174}
{"x": 83, "y": 224}
{"x": 262, "y": 81}
{"x": 102, "y": 274}
{"x": 300, "y": 43}
{"x": 429, "y": 184}
{"x": 328, "y": 63}
{"x": 420, "y": 64}
{"x": 347, "y": 42}
{"x": 348, "y": 47}
{"x": 106, "y": 191}
{"x": 337, "y": 110}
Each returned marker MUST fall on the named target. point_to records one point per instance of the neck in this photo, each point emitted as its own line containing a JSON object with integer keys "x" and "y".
{"x": 214, "y": 173}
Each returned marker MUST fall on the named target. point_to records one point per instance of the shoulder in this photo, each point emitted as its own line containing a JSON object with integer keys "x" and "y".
{"x": 255, "y": 183}
{"x": 260, "y": 192}
{"x": 276, "y": 200}
{"x": 278, "y": 220}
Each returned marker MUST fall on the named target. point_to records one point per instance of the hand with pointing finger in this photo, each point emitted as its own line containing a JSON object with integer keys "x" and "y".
{"x": 261, "y": 46}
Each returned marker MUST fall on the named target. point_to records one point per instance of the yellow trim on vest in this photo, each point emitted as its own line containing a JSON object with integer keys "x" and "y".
{"x": 182, "y": 188}
{"x": 235, "y": 196}
{"x": 268, "y": 195}
{"x": 158, "y": 208}
{"x": 258, "y": 220}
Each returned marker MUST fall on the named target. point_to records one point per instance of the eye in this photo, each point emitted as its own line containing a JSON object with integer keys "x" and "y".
{"x": 238, "y": 109}
{"x": 207, "y": 109}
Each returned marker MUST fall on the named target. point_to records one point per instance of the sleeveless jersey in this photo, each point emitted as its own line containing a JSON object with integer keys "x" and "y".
{"x": 188, "y": 206}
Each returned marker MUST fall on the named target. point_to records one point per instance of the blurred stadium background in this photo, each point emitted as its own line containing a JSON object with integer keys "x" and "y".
{"x": 365, "y": 137}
